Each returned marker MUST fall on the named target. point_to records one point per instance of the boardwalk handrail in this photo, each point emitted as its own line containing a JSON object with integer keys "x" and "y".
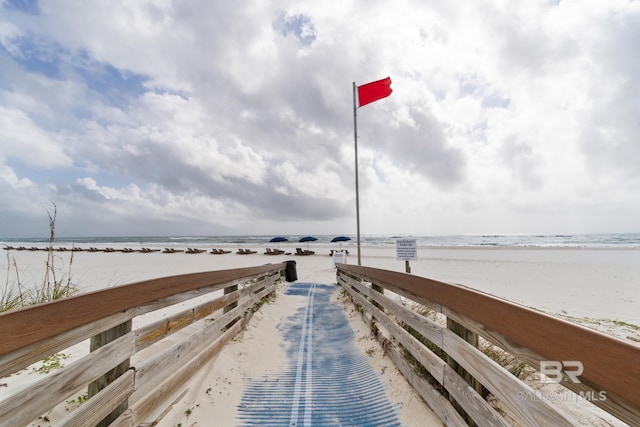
{"x": 105, "y": 316}
{"x": 611, "y": 365}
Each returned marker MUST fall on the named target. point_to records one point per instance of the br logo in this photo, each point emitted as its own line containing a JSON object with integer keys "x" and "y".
{"x": 552, "y": 370}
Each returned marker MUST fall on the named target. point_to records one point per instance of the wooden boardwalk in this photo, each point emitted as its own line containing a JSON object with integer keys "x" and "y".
{"x": 326, "y": 381}
{"x": 134, "y": 371}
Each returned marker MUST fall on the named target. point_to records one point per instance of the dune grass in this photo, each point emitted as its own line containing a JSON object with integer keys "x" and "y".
{"x": 56, "y": 283}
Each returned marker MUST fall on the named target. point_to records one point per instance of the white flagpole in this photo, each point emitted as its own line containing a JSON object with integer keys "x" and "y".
{"x": 355, "y": 144}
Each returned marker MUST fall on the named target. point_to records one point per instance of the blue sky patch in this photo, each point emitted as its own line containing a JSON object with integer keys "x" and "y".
{"x": 27, "y": 6}
{"x": 116, "y": 86}
{"x": 105, "y": 78}
{"x": 298, "y": 25}
{"x": 36, "y": 56}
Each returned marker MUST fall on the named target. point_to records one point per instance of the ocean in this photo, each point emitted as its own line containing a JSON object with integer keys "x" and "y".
{"x": 597, "y": 241}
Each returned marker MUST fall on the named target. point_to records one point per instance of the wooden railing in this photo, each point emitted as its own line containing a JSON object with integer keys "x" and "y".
{"x": 454, "y": 377}
{"x": 115, "y": 368}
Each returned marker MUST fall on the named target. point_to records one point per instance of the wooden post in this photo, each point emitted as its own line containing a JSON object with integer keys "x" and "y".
{"x": 229, "y": 307}
{"x": 407, "y": 267}
{"x": 471, "y": 338}
{"x": 96, "y": 342}
{"x": 377, "y": 289}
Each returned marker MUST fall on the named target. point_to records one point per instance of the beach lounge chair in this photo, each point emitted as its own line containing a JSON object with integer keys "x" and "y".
{"x": 300, "y": 251}
{"x": 246, "y": 252}
{"x": 148, "y": 250}
{"x": 222, "y": 251}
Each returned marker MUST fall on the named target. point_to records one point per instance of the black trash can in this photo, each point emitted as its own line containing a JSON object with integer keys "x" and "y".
{"x": 290, "y": 273}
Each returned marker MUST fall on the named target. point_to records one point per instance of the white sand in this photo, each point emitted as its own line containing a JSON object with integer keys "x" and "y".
{"x": 592, "y": 283}
{"x": 582, "y": 283}
{"x": 586, "y": 284}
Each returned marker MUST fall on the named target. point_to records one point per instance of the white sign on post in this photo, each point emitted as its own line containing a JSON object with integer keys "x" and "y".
{"x": 406, "y": 250}
{"x": 339, "y": 257}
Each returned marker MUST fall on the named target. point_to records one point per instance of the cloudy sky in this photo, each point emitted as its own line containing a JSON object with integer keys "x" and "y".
{"x": 209, "y": 117}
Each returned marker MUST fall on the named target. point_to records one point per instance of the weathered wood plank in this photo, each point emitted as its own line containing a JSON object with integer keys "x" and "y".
{"x": 426, "y": 327}
{"x": 432, "y": 397}
{"x": 99, "y": 341}
{"x": 436, "y": 401}
{"x": 467, "y": 397}
{"x": 26, "y": 405}
{"x": 473, "y": 404}
{"x": 476, "y": 407}
{"x": 194, "y": 293}
{"x": 23, "y": 357}
{"x": 102, "y": 404}
{"x": 505, "y": 386}
{"x": 154, "y": 332}
{"x": 472, "y": 339}
{"x": 613, "y": 404}
{"x": 351, "y": 277}
{"x": 426, "y": 357}
{"x": 549, "y": 337}
{"x": 27, "y": 326}
{"x": 161, "y": 364}
{"x": 147, "y": 404}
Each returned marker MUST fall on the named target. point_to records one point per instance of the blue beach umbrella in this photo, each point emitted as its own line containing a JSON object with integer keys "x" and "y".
{"x": 307, "y": 239}
{"x": 278, "y": 239}
{"x": 340, "y": 239}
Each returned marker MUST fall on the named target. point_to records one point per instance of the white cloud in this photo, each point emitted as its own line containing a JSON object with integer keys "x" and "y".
{"x": 23, "y": 140}
{"x": 505, "y": 116}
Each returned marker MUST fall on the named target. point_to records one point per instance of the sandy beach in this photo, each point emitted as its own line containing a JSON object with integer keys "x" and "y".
{"x": 595, "y": 287}
{"x": 580, "y": 283}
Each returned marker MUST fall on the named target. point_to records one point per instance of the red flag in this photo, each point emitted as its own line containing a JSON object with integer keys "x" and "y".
{"x": 373, "y": 91}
